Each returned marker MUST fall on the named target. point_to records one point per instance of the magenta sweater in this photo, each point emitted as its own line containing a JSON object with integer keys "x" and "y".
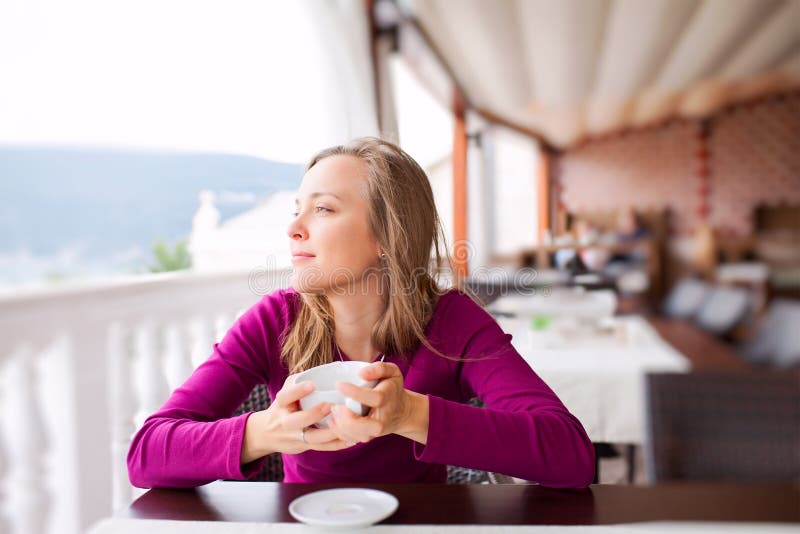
{"x": 524, "y": 431}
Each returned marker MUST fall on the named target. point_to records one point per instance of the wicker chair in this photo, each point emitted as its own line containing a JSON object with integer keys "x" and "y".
{"x": 723, "y": 427}
{"x": 272, "y": 470}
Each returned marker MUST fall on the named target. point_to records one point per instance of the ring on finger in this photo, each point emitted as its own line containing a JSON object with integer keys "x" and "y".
{"x": 303, "y": 436}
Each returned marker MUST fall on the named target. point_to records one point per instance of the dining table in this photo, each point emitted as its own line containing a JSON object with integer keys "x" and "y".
{"x": 594, "y": 361}
{"x": 263, "y": 507}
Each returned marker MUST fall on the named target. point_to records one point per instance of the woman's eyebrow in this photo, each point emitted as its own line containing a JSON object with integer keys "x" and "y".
{"x": 319, "y": 194}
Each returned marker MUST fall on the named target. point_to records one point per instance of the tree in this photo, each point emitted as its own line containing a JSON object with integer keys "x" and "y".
{"x": 170, "y": 259}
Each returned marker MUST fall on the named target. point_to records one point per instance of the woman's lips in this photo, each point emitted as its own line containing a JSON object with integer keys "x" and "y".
{"x": 300, "y": 257}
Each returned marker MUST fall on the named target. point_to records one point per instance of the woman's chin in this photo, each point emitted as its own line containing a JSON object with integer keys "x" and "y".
{"x": 303, "y": 283}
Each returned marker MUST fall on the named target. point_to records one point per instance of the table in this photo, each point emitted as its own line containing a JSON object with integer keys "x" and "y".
{"x": 705, "y": 351}
{"x": 558, "y": 301}
{"x": 599, "y": 378}
{"x": 263, "y": 507}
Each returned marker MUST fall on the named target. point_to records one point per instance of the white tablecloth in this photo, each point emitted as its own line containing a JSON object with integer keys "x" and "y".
{"x": 153, "y": 526}
{"x": 559, "y": 301}
{"x": 599, "y": 378}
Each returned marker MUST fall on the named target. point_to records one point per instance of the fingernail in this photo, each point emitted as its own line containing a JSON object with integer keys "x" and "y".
{"x": 308, "y": 386}
{"x": 326, "y": 408}
{"x": 351, "y": 443}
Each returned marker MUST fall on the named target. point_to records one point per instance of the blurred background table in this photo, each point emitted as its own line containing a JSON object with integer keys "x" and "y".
{"x": 594, "y": 362}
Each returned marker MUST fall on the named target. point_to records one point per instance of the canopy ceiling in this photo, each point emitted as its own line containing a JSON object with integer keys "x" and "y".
{"x": 570, "y": 69}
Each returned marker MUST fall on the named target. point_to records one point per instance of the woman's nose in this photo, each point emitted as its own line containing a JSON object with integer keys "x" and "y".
{"x": 296, "y": 228}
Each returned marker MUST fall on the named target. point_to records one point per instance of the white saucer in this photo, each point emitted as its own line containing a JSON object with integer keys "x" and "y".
{"x": 343, "y": 507}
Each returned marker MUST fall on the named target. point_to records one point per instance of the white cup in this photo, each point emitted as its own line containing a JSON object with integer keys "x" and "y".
{"x": 324, "y": 378}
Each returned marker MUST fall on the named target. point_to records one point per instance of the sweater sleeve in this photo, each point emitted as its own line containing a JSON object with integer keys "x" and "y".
{"x": 192, "y": 439}
{"x": 524, "y": 431}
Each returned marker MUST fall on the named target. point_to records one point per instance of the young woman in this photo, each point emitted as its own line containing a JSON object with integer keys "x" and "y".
{"x": 367, "y": 250}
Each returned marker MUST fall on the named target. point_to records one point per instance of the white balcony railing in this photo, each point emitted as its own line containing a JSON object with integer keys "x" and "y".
{"x": 82, "y": 367}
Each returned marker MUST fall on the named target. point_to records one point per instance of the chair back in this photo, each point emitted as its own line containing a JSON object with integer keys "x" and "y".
{"x": 777, "y": 341}
{"x": 725, "y": 307}
{"x": 686, "y": 298}
{"x": 723, "y": 427}
{"x": 272, "y": 469}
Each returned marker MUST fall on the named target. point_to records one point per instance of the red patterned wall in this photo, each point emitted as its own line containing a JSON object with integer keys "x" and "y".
{"x": 754, "y": 158}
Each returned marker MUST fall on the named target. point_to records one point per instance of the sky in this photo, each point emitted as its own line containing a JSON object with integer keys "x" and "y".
{"x": 240, "y": 77}
{"x": 229, "y": 76}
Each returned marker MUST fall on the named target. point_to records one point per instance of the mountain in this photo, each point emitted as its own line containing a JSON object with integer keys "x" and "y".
{"x": 76, "y": 212}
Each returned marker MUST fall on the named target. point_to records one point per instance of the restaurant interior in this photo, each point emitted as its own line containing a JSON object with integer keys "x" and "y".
{"x": 668, "y": 206}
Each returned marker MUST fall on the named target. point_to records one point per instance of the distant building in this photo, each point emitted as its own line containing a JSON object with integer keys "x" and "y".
{"x": 255, "y": 238}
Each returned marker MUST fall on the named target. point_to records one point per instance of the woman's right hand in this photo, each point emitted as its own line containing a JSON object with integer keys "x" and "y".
{"x": 279, "y": 427}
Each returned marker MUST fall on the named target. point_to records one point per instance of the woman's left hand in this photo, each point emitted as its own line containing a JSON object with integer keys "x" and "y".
{"x": 394, "y": 410}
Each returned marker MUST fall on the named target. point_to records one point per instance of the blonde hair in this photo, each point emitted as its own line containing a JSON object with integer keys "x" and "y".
{"x": 406, "y": 225}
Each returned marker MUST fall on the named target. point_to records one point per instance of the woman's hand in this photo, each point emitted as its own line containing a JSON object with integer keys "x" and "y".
{"x": 394, "y": 409}
{"x": 279, "y": 427}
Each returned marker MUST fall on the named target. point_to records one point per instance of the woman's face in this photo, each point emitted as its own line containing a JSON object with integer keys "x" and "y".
{"x": 331, "y": 223}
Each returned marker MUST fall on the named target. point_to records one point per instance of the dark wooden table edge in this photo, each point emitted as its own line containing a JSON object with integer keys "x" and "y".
{"x": 508, "y": 504}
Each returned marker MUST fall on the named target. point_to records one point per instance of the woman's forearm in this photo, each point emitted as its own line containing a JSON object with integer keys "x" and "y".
{"x": 252, "y": 448}
{"x": 547, "y": 445}
{"x": 172, "y": 452}
{"x": 416, "y": 427}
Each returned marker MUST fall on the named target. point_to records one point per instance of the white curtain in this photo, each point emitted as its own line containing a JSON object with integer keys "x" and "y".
{"x": 515, "y": 166}
{"x": 479, "y": 195}
{"x": 343, "y": 34}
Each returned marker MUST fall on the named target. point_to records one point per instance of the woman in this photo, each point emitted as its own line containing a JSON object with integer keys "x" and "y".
{"x": 364, "y": 289}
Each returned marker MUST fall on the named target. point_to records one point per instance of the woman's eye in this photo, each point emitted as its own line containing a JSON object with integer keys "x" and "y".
{"x": 316, "y": 208}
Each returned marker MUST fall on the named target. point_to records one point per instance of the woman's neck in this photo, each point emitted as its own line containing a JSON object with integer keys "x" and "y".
{"x": 354, "y": 317}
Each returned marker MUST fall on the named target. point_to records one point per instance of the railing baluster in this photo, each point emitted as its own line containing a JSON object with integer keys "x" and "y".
{"x": 202, "y": 339}
{"x": 5, "y": 456}
{"x": 177, "y": 360}
{"x": 89, "y": 369}
{"x": 153, "y": 388}
{"x": 123, "y": 409}
{"x": 29, "y": 502}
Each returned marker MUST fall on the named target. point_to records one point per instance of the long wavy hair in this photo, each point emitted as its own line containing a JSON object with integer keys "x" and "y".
{"x": 406, "y": 225}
